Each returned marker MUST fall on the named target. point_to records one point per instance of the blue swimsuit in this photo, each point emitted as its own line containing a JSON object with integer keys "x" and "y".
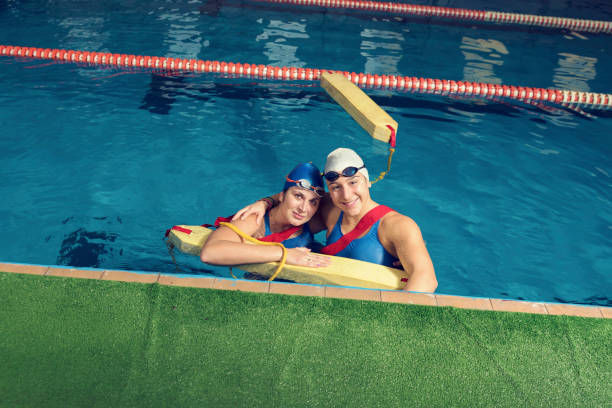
{"x": 367, "y": 248}
{"x": 305, "y": 239}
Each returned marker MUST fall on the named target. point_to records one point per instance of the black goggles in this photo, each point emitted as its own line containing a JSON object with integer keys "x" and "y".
{"x": 348, "y": 172}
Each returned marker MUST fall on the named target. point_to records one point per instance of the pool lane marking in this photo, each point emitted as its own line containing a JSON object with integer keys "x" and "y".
{"x": 486, "y": 16}
{"x": 443, "y": 87}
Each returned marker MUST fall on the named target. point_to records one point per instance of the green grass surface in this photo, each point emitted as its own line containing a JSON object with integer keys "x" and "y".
{"x": 76, "y": 342}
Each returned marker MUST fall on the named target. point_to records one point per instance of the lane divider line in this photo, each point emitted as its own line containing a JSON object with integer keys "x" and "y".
{"x": 592, "y": 26}
{"x": 568, "y": 98}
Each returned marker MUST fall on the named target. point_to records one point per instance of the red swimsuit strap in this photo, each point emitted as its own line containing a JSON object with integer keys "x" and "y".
{"x": 280, "y": 236}
{"x": 362, "y": 226}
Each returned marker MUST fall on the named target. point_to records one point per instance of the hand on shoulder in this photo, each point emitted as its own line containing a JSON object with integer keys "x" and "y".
{"x": 249, "y": 224}
{"x": 258, "y": 208}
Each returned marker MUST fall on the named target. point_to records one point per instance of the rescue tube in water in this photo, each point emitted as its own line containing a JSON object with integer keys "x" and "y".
{"x": 342, "y": 271}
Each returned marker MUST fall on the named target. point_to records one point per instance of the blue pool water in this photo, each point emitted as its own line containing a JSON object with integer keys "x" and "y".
{"x": 95, "y": 164}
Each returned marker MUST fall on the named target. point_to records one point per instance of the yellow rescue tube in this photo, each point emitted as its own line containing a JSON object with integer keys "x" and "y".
{"x": 371, "y": 117}
{"x": 341, "y": 271}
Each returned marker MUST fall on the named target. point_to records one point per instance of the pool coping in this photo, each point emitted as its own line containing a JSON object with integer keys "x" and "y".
{"x": 299, "y": 289}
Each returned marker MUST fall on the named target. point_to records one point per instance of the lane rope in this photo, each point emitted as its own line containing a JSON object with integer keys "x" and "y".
{"x": 591, "y": 26}
{"x": 573, "y": 99}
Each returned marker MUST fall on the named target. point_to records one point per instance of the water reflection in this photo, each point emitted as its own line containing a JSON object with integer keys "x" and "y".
{"x": 183, "y": 36}
{"x": 382, "y": 57}
{"x": 84, "y": 32}
{"x": 481, "y": 56}
{"x": 211, "y": 8}
{"x": 162, "y": 93}
{"x": 574, "y": 72}
{"x": 89, "y": 246}
{"x": 279, "y": 36}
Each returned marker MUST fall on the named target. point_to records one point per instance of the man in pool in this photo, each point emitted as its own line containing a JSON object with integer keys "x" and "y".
{"x": 288, "y": 223}
{"x": 359, "y": 228}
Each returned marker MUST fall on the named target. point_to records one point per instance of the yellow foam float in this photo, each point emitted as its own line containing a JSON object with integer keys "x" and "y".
{"x": 371, "y": 117}
{"x": 341, "y": 271}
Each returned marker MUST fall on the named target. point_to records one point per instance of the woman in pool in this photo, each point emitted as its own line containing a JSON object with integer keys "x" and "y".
{"x": 288, "y": 223}
{"x": 360, "y": 228}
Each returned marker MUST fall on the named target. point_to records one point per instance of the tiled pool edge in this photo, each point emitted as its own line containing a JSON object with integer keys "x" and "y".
{"x": 426, "y": 299}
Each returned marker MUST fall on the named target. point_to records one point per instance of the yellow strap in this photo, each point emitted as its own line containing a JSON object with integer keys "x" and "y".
{"x": 382, "y": 175}
{"x": 258, "y": 242}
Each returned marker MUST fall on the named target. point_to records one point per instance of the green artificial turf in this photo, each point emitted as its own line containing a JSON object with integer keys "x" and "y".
{"x": 77, "y": 342}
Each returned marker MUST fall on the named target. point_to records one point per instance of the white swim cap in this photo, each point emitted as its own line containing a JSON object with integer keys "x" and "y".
{"x": 341, "y": 158}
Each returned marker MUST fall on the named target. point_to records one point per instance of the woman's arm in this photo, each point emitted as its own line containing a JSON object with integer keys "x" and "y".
{"x": 225, "y": 247}
{"x": 258, "y": 208}
{"x": 403, "y": 236}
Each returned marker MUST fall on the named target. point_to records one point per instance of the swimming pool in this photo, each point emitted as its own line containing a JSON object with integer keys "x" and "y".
{"x": 513, "y": 200}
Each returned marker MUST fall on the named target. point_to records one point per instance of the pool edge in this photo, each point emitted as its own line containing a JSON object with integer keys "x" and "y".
{"x": 286, "y": 288}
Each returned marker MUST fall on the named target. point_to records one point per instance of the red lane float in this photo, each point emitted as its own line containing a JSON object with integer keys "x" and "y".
{"x": 387, "y": 82}
{"x": 592, "y": 26}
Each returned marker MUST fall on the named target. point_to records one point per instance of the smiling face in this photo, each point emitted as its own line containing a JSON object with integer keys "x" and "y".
{"x": 350, "y": 194}
{"x": 298, "y": 205}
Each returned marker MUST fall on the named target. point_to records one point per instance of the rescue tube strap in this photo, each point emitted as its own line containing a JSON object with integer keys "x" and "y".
{"x": 177, "y": 228}
{"x": 218, "y": 221}
{"x": 392, "y": 140}
{"x": 256, "y": 241}
{"x": 366, "y": 222}
{"x": 188, "y": 231}
{"x": 276, "y": 237}
{"x": 181, "y": 229}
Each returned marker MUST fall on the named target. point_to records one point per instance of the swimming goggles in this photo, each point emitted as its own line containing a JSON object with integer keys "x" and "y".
{"x": 348, "y": 172}
{"x": 305, "y": 184}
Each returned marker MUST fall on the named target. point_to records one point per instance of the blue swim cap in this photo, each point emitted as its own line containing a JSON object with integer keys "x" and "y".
{"x": 306, "y": 176}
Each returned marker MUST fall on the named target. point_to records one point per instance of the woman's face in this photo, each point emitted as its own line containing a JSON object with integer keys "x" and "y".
{"x": 299, "y": 205}
{"x": 350, "y": 194}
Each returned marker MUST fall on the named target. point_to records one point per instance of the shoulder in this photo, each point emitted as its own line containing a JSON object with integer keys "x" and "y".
{"x": 249, "y": 226}
{"x": 398, "y": 226}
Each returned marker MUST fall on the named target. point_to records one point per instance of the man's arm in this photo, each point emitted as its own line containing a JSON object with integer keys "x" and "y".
{"x": 403, "y": 236}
